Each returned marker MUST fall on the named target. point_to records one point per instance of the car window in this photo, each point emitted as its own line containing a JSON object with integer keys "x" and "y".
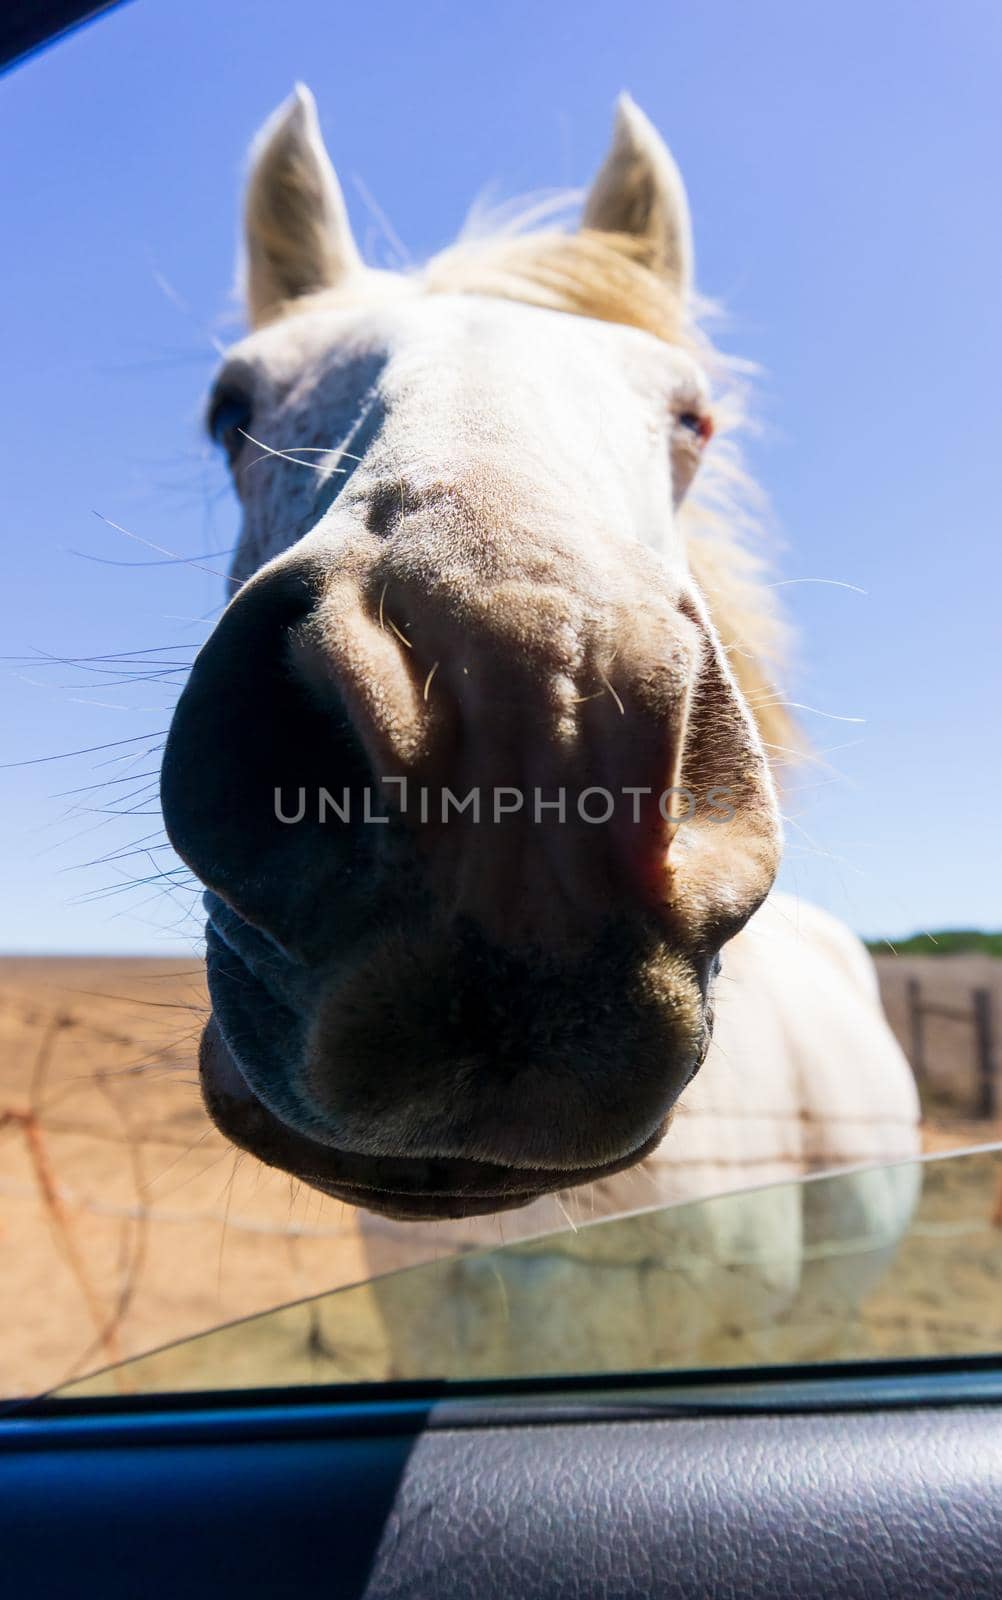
{"x": 496, "y": 864}
{"x": 885, "y": 1264}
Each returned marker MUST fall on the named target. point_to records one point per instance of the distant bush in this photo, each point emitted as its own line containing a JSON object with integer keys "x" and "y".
{"x": 948, "y": 942}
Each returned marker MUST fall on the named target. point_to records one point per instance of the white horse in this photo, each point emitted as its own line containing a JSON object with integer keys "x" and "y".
{"x": 490, "y": 550}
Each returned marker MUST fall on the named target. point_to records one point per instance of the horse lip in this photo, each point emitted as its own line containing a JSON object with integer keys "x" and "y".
{"x": 421, "y": 1206}
{"x": 401, "y": 1204}
{"x": 283, "y": 984}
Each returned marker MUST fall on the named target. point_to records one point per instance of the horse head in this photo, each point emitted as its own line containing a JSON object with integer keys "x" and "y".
{"x": 467, "y": 767}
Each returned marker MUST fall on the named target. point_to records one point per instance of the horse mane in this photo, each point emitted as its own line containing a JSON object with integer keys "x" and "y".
{"x": 604, "y": 275}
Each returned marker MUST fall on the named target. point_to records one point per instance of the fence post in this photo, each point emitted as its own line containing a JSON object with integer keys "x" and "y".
{"x": 987, "y": 1105}
{"x": 917, "y": 1051}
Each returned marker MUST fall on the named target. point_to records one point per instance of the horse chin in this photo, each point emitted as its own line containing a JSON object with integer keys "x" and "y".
{"x": 402, "y": 1188}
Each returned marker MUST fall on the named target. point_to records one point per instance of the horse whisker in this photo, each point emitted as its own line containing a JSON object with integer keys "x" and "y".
{"x": 833, "y": 583}
{"x": 164, "y": 552}
{"x": 615, "y": 696}
{"x": 285, "y": 455}
{"x": 399, "y": 635}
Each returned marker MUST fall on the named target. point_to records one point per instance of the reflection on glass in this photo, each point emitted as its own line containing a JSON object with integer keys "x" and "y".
{"x": 891, "y": 1261}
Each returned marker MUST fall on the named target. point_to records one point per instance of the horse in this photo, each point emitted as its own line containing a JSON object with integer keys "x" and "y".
{"x": 478, "y": 767}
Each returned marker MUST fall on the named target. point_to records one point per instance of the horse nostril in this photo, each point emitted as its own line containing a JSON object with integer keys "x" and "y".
{"x": 246, "y": 740}
{"x": 350, "y": 651}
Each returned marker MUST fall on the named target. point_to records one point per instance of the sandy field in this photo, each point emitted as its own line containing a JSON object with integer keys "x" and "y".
{"x": 126, "y": 1221}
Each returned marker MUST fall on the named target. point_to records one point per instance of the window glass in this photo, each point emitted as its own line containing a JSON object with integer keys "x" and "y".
{"x": 890, "y": 1263}
{"x": 498, "y": 619}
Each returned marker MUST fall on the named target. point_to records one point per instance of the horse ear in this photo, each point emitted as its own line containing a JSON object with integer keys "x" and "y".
{"x": 639, "y": 191}
{"x": 297, "y": 235}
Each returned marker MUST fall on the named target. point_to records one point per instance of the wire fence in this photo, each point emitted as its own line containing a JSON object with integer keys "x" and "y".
{"x": 977, "y": 1018}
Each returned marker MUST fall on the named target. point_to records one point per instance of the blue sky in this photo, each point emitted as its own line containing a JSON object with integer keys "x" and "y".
{"x": 842, "y": 163}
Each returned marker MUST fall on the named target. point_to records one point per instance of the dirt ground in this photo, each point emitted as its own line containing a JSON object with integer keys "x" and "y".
{"x": 126, "y": 1221}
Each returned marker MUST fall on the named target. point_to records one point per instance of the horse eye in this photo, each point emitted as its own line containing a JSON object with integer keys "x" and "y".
{"x": 229, "y": 418}
{"x": 698, "y": 423}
